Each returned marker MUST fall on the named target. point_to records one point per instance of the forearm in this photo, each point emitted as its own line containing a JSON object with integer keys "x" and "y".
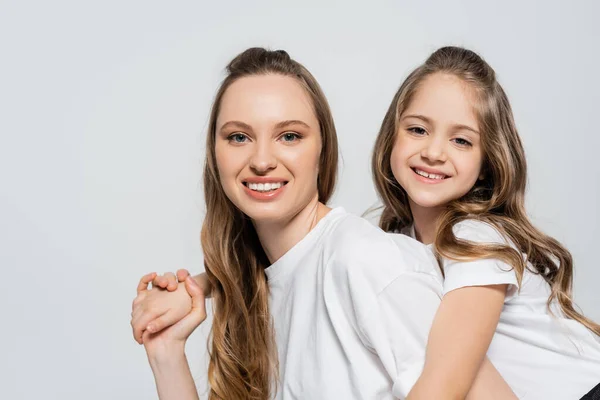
{"x": 489, "y": 384}
{"x": 458, "y": 341}
{"x": 431, "y": 387}
{"x": 173, "y": 377}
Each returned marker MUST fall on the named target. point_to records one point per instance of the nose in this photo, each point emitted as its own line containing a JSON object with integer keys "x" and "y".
{"x": 434, "y": 149}
{"x": 263, "y": 159}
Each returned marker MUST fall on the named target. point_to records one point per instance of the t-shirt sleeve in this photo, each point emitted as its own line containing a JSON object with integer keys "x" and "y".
{"x": 389, "y": 293}
{"x": 480, "y": 272}
{"x": 406, "y": 309}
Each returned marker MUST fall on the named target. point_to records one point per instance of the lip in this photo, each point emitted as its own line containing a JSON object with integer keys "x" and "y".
{"x": 264, "y": 196}
{"x": 429, "y": 171}
{"x": 264, "y": 179}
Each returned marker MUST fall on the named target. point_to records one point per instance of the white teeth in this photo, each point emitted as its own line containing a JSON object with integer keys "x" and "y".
{"x": 427, "y": 175}
{"x": 264, "y": 187}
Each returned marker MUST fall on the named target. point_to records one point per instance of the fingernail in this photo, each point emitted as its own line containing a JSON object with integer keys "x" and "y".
{"x": 150, "y": 328}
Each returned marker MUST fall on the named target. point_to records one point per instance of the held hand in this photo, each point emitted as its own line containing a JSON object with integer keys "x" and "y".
{"x": 169, "y": 280}
{"x": 157, "y": 308}
{"x": 162, "y": 343}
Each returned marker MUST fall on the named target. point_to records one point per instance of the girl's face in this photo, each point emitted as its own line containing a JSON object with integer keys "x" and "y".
{"x": 268, "y": 144}
{"x": 437, "y": 156}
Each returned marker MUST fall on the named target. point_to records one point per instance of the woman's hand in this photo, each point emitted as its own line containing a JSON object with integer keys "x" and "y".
{"x": 156, "y": 309}
{"x": 185, "y": 306}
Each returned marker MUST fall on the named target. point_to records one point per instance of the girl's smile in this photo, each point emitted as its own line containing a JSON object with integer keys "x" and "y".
{"x": 437, "y": 155}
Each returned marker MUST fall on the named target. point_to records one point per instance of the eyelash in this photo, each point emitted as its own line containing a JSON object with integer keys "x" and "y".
{"x": 415, "y": 128}
{"x": 465, "y": 144}
{"x": 231, "y": 138}
{"x": 296, "y": 136}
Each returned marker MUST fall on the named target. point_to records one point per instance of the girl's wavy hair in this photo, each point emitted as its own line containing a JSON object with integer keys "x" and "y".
{"x": 498, "y": 199}
{"x": 243, "y": 357}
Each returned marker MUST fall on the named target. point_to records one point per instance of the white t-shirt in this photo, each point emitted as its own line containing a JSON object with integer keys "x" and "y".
{"x": 540, "y": 355}
{"x": 352, "y": 308}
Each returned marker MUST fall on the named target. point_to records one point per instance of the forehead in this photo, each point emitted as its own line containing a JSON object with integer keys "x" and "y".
{"x": 266, "y": 99}
{"x": 445, "y": 98}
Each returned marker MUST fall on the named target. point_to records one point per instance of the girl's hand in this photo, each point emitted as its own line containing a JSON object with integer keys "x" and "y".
{"x": 172, "y": 339}
{"x": 157, "y": 309}
{"x": 169, "y": 280}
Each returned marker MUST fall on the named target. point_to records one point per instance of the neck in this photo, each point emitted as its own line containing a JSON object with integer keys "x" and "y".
{"x": 425, "y": 219}
{"x": 278, "y": 237}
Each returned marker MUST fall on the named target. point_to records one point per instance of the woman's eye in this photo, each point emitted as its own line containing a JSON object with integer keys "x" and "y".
{"x": 462, "y": 142}
{"x": 290, "y": 137}
{"x": 417, "y": 130}
{"x": 237, "y": 138}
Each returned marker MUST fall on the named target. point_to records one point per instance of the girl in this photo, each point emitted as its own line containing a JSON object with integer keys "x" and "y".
{"x": 334, "y": 293}
{"x": 450, "y": 168}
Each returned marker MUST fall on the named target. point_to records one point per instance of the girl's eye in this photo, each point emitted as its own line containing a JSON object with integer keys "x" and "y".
{"x": 290, "y": 137}
{"x": 417, "y": 130}
{"x": 462, "y": 142}
{"x": 237, "y": 138}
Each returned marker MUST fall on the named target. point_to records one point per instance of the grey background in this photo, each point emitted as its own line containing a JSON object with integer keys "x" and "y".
{"x": 104, "y": 108}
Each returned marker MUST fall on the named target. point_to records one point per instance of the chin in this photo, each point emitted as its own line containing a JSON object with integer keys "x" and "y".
{"x": 263, "y": 212}
{"x": 429, "y": 200}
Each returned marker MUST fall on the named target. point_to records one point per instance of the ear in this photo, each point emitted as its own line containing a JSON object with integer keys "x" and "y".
{"x": 481, "y": 176}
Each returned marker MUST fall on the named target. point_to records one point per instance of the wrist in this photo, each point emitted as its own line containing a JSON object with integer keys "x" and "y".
{"x": 166, "y": 354}
{"x": 167, "y": 370}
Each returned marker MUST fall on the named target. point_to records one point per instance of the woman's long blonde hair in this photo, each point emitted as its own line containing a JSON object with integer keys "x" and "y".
{"x": 243, "y": 358}
{"x": 498, "y": 199}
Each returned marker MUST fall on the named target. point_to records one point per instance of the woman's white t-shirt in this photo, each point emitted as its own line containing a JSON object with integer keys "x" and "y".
{"x": 352, "y": 307}
{"x": 541, "y": 355}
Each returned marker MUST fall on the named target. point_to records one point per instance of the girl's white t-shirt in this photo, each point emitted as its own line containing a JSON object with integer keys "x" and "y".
{"x": 352, "y": 307}
{"x": 541, "y": 355}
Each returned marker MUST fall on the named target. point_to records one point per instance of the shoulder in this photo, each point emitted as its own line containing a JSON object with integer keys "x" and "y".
{"x": 363, "y": 252}
{"x": 354, "y": 240}
{"x": 482, "y": 271}
{"x": 353, "y": 229}
{"x": 479, "y": 232}
{"x": 416, "y": 253}
{"x": 354, "y": 237}
{"x": 372, "y": 278}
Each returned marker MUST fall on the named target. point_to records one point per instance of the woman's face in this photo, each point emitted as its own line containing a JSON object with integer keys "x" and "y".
{"x": 267, "y": 145}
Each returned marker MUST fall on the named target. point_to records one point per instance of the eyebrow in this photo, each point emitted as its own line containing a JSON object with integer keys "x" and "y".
{"x": 286, "y": 123}
{"x": 236, "y": 124}
{"x": 418, "y": 116}
{"x": 466, "y": 127}
{"x": 279, "y": 125}
{"x": 428, "y": 121}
